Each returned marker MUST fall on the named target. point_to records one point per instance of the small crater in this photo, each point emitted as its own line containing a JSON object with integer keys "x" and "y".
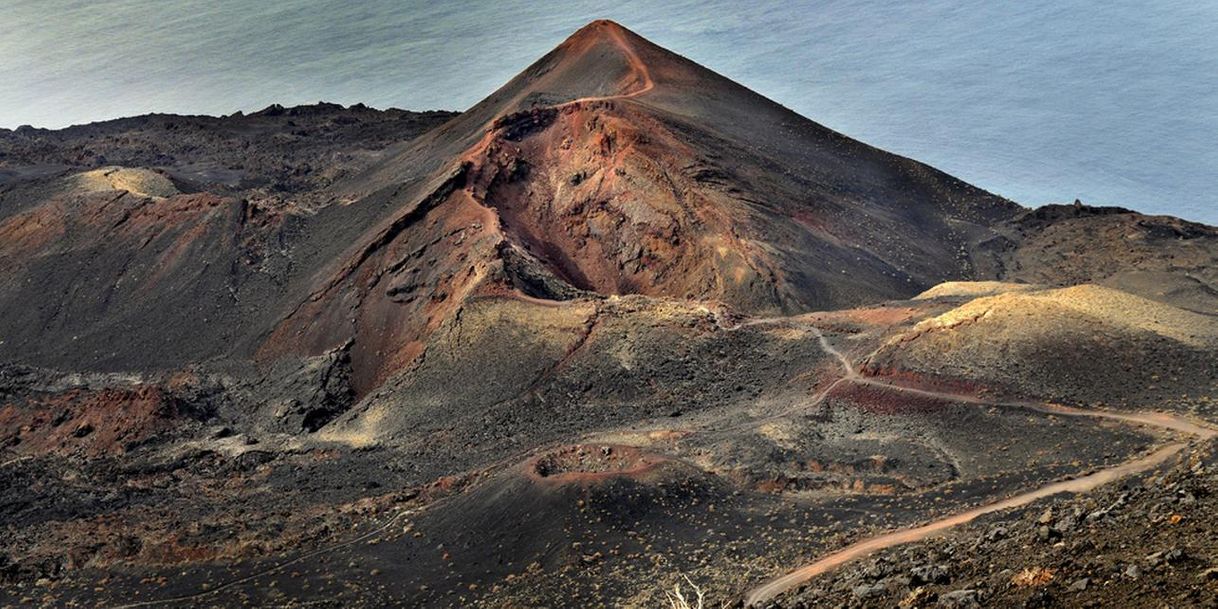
{"x": 591, "y": 462}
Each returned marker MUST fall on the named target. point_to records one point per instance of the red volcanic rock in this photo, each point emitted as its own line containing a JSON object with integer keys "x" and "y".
{"x": 87, "y": 422}
{"x": 882, "y": 400}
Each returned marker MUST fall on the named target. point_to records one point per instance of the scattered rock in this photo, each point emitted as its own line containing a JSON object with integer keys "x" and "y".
{"x": 1046, "y": 517}
{"x": 877, "y": 569}
{"x": 868, "y": 591}
{"x": 929, "y": 574}
{"x": 1047, "y": 533}
{"x": 996, "y": 534}
{"x": 961, "y": 599}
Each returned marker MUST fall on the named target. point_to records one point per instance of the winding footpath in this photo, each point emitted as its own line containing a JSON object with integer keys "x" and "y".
{"x": 636, "y": 64}
{"x": 865, "y": 547}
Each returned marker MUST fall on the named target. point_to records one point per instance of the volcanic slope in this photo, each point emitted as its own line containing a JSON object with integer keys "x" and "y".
{"x": 1157, "y": 257}
{"x": 668, "y": 179}
{"x": 616, "y": 167}
{"x": 159, "y": 241}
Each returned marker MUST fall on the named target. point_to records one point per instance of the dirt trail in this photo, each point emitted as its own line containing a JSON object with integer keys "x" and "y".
{"x": 860, "y": 549}
{"x": 17, "y": 460}
{"x": 1162, "y": 420}
{"x": 642, "y": 73}
{"x": 636, "y": 64}
{"x": 903, "y": 536}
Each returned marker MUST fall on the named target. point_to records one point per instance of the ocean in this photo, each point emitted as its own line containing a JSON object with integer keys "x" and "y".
{"x": 1041, "y": 101}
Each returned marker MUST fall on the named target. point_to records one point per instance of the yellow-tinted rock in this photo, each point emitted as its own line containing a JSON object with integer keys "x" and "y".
{"x": 974, "y": 288}
{"x": 137, "y": 181}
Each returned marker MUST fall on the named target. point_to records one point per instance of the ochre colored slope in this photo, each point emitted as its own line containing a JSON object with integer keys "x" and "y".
{"x": 1066, "y": 343}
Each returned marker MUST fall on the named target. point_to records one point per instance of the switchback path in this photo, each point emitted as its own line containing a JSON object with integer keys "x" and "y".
{"x": 636, "y": 64}
{"x": 860, "y": 549}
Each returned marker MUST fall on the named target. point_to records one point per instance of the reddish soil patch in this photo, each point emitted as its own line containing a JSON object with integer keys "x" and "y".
{"x": 591, "y": 463}
{"x": 924, "y": 382}
{"x": 881, "y": 400}
{"x": 90, "y": 422}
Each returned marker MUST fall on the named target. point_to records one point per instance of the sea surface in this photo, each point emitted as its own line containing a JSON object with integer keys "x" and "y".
{"x": 1114, "y": 102}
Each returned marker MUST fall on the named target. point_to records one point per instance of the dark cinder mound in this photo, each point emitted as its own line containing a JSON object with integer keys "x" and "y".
{"x": 157, "y": 241}
{"x": 1157, "y": 257}
{"x": 629, "y": 169}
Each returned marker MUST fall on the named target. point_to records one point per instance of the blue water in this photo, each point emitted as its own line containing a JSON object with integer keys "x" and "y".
{"x": 1114, "y": 102}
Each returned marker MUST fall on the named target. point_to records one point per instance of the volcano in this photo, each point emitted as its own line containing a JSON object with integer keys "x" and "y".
{"x": 609, "y": 167}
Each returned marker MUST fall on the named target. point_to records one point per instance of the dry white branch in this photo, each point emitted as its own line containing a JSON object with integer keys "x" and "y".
{"x": 677, "y": 599}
